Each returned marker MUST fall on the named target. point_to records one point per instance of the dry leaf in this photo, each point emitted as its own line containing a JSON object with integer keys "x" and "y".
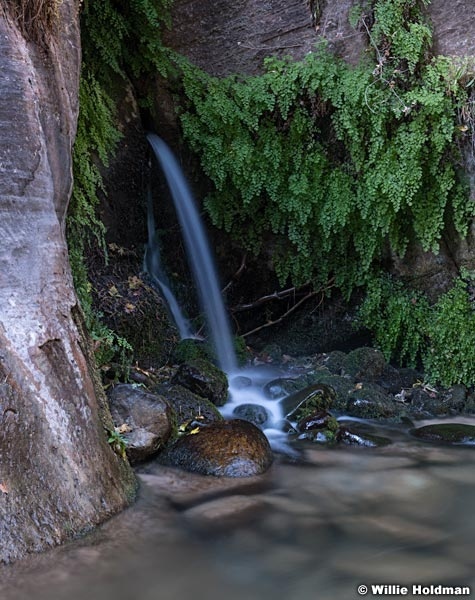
{"x": 3, "y": 488}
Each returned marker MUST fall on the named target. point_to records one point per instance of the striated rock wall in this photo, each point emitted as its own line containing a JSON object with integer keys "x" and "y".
{"x": 58, "y": 475}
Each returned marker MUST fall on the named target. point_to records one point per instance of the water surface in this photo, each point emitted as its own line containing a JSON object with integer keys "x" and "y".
{"x": 343, "y": 517}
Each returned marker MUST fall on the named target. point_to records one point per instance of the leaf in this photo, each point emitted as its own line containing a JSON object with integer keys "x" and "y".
{"x": 3, "y": 488}
{"x": 129, "y": 307}
{"x": 114, "y": 292}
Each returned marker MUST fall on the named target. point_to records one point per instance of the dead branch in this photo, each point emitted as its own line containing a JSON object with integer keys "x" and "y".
{"x": 285, "y": 315}
{"x": 268, "y": 298}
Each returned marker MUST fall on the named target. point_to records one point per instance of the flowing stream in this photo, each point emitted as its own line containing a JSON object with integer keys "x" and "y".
{"x": 314, "y": 529}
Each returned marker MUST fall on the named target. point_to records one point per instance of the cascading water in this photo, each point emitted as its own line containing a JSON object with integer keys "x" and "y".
{"x": 153, "y": 266}
{"x": 199, "y": 255}
{"x": 206, "y": 280}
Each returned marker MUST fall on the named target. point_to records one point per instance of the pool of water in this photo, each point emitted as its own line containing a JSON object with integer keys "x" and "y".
{"x": 318, "y": 527}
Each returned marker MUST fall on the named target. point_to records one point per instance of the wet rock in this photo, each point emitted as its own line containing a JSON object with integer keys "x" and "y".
{"x": 335, "y": 362}
{"x": 282, "y": 386}
{"x": 255, "y": 413}
{"x": 365, "y": 364}
{"x": 316, "y": 397}
{"x": 342, "y": 385}
{"x": 204, "y": 379}
{"x": 426, "y": 402}
{"x": 366, "y": 440}
{"x": 148, "y": 418}
{"x": 448, "y": 433}
{"x": 233, "y": 448}
{"x": 369, "y": 401}
{"x": 395, "y": 380}
{"x": 317, "y": 420}
{"x": 187, "y": 405}
{"x": 241, "y": 382}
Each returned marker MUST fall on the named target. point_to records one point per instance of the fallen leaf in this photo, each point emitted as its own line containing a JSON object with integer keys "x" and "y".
{"x": 3, "y": 488}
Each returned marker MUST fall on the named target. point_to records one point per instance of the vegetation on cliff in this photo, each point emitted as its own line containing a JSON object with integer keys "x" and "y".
{"x": 331, "y": 167}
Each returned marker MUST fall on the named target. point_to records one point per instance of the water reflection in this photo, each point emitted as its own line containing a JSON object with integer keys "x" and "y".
{"x": 400, "y": 514}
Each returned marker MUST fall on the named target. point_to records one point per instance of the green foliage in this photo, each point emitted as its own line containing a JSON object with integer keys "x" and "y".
{"x": 450, "y": 357}
{"x": 124, "y": 37}
{"x": 119, "y": 38}
{"x": 331, "y": 161}
{"x": 398, "y": 318}
{"x": 408, "y": 328}
{"x": 117, "y": 442}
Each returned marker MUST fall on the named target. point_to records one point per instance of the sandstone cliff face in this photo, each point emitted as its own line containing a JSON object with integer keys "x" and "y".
{"x": 57, "y": 473}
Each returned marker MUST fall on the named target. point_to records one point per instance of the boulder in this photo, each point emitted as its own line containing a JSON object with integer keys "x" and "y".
{"x": 233, "y": 448}
{"x": 146, "y": 419}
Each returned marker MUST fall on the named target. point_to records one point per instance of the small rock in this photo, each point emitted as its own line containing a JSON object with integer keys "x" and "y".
{"x": 366, "y": 440}
{"x": 448, "y": 433}
{"x": 233, "y": 448}
{"x": 315, "y": 397}
{"x": 148, "y": 417}
{"x": 204, "y": 379}
{"x": 255, "y": 413}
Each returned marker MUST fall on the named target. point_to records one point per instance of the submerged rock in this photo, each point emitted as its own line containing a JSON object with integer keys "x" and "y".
{"x": 203, "y": 378}
{"x": 146, "y": 418}
{"x": 366, "y": 440}
{"x": 448, "y": 433}
{"x": 233, "y": 448}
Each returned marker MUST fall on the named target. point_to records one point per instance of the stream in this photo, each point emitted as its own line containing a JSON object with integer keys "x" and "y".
{"x": 316, "y": 528}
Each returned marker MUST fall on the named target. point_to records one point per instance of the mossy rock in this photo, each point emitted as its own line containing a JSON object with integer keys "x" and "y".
{"x": 365, "y": 364}
{"x": 317, "y": 397}
{"x": 335, "y": 362}
{"x": 369, "y": 401}
{"x": 191, "y": 349}
{"x": 342, "y": 386}
{"x": 204, "y": 379}
{"x": 187, "y": 405}
{"x": 447, "y": 433}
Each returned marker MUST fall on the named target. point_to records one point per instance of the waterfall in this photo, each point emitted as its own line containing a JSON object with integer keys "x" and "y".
{"x": 153, "y": 266}
{"x": 199, "y": 255}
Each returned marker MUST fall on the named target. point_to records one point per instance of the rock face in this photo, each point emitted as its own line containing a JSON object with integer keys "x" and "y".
{"x": 228, "y": 449}
{"x": 58, "y": 474}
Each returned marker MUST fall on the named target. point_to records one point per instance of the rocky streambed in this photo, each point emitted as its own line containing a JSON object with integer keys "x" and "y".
{"x": 371, "y": 481}
{"x": 336, "y": 399}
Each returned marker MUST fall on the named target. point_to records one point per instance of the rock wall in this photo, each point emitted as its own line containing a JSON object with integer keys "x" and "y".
{"x": 58, "y": 475}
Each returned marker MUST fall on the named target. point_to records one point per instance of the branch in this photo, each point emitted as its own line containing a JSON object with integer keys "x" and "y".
{"x": 274, "y": 296}
{"x": 285, "y": 315}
